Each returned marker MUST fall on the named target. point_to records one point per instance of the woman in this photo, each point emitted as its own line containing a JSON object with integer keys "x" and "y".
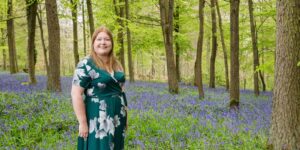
{"x": 102, "y": 112}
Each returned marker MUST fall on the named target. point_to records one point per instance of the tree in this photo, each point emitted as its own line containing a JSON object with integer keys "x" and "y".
{"x": 223, "y": 45}
{"x": 45, "y": 51}
{"x": 234, "y": 87}
{"x": 53, "y": 83}
{"x": 31, "y": 51}
{"x": 75, "y": 32}
{"x": 119, "y": 10}
{"x": 177, "y": 45}
{"x": 166, "y": 15}
{"x": 212, "y": 73}
{"x": 83, "y": 28}
{"x": 198, "y": 63}
{"x": 130, "y": 63}
{"x": 254, "y": 47}
{"x": 13, "y": 66}
{"x": 90, "y": 15}
{"x": 285, "y": 131}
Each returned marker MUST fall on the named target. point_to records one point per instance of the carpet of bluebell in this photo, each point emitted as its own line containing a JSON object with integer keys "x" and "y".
{"x": 32, "y": 118}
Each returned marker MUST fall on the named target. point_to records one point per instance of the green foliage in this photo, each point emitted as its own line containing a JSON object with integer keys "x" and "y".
{"x": 298, "y": 64}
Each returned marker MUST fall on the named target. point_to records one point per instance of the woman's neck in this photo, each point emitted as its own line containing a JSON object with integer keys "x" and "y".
{"x": 104, "y": 59}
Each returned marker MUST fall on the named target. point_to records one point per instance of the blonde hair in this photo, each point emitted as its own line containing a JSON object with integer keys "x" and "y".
{"x": 113, "y": 63}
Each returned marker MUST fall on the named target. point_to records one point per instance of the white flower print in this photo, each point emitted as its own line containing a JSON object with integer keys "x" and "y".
{"x": 106, "y": 123}
{"x": 116, "y": 121}
{"x": 80, "y": 73}
{"x": 88, "y": 68}
{"x": 123, "y": 111}
{"x": 102, "y": 105}
{"x": 90, "y": 91}
{"x": 122, "y": 100}
{"x": 93, "y": 125}
{"x": 111, "y": 145}
{"x": 82, "y": 63}
{"x": 100, "y": 134}
{"x": 93, "y": 74}
{"x": 96, "y": 100}
{"x": 101, "y": 85}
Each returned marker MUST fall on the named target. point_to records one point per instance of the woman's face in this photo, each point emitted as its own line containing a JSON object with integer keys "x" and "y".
{"x": 102, "y": 44}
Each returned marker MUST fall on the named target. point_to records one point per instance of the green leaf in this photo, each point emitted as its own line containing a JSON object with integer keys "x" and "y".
{"x": 298, "y": 64}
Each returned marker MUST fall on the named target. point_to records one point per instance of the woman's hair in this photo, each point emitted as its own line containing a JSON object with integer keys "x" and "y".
{"x": 113, "y": 63}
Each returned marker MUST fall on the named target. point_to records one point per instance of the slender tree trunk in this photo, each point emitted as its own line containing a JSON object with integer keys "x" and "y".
{"x": 234, "y": 87}
{"x": 223, "y": 46}
{"x": 166, "y": 14}
{"x": 212, "y": 73}
{"x": 3, "y": 37}
{"x": 11, "y": 39}
{"x": 285, "y": 127}
{"x": 91, "y": 18}
{"x": 83, "y": 28}
{"x": 254, "y": 47}
{"x": 177, "y": 45}
{"x": 53, "y": 83}
{"x": 130, "y": 63}
{"x": 75, "y": 32}
{"x": 45, "y": 51}
{"x": 198, "y": 63}
{"x": 31, "y": 51}
{"x": 119, "y": 10}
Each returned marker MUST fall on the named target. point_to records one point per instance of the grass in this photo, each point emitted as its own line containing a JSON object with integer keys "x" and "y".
{"x": 31, "y": 118}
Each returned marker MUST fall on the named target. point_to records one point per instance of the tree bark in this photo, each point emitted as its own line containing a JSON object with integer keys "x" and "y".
{"x": 91, "y": 18}
{"x": 75, "y": 32}
{"x": 83, "y": 29}
{"x": 53, "y": 83}
{"x": 285, "y": 127}
{"x": 254, "y": 47}
{"x": 31, "y": 51}
{"x": 3, "y": 36}
{"x": 177, "y": 45}
{"x": 223, "y": 46}
{"x": 234, "y": 87}
{"x": 213, "y": 56}
{"x": 198, "y": 63}
{"x": 13, "y": 67}
{"x": 130, "y": 63}
{"x": 119, "y": 10}
{"x": 166, "y": 14}
{"x": 45, "y": 51}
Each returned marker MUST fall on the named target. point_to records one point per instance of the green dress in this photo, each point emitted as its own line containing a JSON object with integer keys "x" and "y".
{"x": 105, "y": 105}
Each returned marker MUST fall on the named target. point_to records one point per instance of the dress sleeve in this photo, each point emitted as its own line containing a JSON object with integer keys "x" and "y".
{"x": 81, "y": 77}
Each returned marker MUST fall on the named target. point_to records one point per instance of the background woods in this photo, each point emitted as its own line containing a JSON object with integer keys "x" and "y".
{"x": 227, "y": 44}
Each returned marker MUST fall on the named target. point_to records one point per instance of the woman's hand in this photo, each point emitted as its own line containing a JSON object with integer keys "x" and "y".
{"x": 83, "y": 130}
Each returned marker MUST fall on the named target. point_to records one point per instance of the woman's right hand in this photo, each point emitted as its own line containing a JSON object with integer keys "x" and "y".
{"x": 83, "y": 130}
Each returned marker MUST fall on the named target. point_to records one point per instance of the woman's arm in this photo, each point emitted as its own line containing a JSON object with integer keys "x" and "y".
{"x": 79, "y": 109}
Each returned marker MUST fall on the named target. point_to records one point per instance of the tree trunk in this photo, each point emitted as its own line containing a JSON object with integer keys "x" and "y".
{"x": 213, "y": 56}
{"x": 177, "y": 45}
{"x": 254, "y": 47}
{"x": 75, "y": 32}
{"x": 40, "y": 21}
{"x": 130, "y": 63}
{"x": 31, "y": 51}
{"x": 3, "y": 37}
{"x": 166, "y": 14}
{"x": 234, "y": 87}
{"x": 223, "y": 46}
{"x": 53, "y": 83}
{"x": 91, "y": 18}
{"x": 13, "y": 67}
{"x": 285, "y": 127}
{"x": 83, "y": 28}
{"x": 119, "y": 10}
{"x": 198, "y": 63}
